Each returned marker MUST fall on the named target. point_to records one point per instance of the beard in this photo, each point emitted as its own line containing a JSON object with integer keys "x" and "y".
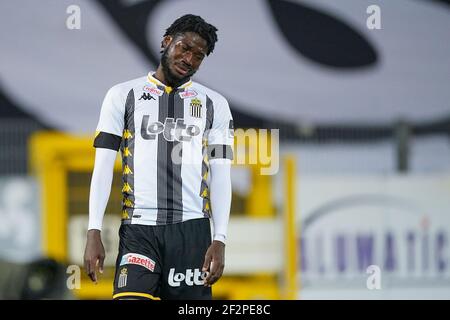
{"x": 171, "y": 79}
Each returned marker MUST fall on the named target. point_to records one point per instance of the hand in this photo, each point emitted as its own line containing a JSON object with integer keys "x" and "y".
{"x": 214, "y": 262}
{"x": 94, "y": 254}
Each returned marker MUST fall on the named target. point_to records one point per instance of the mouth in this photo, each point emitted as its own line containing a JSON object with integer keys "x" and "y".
{"x": 181, "y": 70}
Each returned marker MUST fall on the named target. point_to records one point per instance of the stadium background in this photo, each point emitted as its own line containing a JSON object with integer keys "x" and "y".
{"x": 364, "y": 113}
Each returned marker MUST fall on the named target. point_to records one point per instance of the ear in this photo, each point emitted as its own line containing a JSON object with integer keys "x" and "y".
{"x": 166, "y": 42}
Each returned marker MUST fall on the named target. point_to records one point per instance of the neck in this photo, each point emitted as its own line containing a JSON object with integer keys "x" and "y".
{"x": 166, "y": 79}
{"x": 159, "y": 74}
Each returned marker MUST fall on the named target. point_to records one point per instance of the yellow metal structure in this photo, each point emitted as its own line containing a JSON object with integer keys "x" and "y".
{"x": 54, "y": 155}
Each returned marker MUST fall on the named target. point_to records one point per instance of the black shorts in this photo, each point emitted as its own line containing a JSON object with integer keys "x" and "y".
{"x": 162, "y": 262}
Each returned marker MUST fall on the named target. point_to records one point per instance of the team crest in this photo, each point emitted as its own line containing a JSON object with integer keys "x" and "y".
{"x": 122, "y": 282}
{"x": 196, "y": 108}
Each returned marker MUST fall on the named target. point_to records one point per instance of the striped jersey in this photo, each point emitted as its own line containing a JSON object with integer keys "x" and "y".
{"x": 166, "y": 136}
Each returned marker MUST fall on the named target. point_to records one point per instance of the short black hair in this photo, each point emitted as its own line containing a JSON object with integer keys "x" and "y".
{"x": 193, "y": 23}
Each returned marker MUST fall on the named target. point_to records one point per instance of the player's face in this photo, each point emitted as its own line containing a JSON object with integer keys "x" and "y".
{"x": 183, "y": 55}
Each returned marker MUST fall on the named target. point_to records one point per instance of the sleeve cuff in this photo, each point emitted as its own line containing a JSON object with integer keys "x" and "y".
{"x": 221, "y": 238}
{"x": 94, "y": 225}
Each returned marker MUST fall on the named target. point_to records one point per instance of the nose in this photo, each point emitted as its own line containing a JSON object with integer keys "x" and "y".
{"x": 187, "y": 59}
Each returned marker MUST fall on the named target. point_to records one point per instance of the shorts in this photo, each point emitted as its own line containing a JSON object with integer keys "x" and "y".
{"x": 163, "y": 261}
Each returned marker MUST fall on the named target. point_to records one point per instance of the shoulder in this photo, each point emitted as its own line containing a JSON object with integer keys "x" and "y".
{"x": 217, "y": 99}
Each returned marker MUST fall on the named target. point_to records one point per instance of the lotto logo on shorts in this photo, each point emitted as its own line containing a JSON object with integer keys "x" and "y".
{"x": 139, "y": 259}
{"x": 190, "y": 277}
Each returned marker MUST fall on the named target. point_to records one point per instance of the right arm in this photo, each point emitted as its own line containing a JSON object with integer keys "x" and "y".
{"x": 102, "y": 177}
{"x": 107, "y": 142}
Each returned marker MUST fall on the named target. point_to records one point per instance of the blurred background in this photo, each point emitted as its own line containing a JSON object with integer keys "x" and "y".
{"x": 359, "y": 90}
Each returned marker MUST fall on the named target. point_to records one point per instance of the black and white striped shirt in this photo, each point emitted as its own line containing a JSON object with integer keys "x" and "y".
{"x": 167, "y": 137}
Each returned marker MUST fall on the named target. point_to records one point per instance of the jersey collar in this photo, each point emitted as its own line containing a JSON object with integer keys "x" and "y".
{"x": 167, "y": 89}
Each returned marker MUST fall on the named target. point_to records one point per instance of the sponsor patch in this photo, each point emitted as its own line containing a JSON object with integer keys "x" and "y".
{"x": 189, "y": 277}
{"x": 180, "y": 131}
{"x": 138, "y": 259}
{"x": 153, "y": 90}
{"x": 188, "y": 94}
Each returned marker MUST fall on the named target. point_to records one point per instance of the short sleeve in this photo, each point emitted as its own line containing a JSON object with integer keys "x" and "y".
{"x": 221, "y": 134}
{"x": 111, "y": 123}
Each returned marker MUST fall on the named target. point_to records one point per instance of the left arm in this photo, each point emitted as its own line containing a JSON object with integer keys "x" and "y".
{"x": 220, "y": 154}
{"x": 220, "y": 192}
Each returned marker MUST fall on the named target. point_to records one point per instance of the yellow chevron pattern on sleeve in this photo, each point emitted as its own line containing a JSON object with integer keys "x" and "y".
{"x": 204, "y": 193}
{"x": 126, "y": 152}
{"x": 125, "y": 214}
{"x": 128, "y": 203}
{"x": 126, "y": 187}
{"x": 127, "y": 170}
{"x": 127, "y": 134}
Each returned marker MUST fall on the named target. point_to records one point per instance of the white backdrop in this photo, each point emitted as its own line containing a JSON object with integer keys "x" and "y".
{"x": 399, "y": 223}
{"x": 62, "y": 75}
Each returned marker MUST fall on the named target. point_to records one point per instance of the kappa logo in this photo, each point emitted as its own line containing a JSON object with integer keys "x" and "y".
{"x": 172, "y": 130}
{"x": 153, "y": 90}
{"x": 122, "y": 281}
{"x": 138, "y": 259}
{"x": 191, "y": 278}
{"x": 147, "y": 96}
{"x": 188, "y": 94}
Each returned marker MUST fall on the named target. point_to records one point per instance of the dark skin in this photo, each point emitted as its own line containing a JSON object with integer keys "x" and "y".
{"x": 94, "y": 254}
{"x": 182, "y": 57}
